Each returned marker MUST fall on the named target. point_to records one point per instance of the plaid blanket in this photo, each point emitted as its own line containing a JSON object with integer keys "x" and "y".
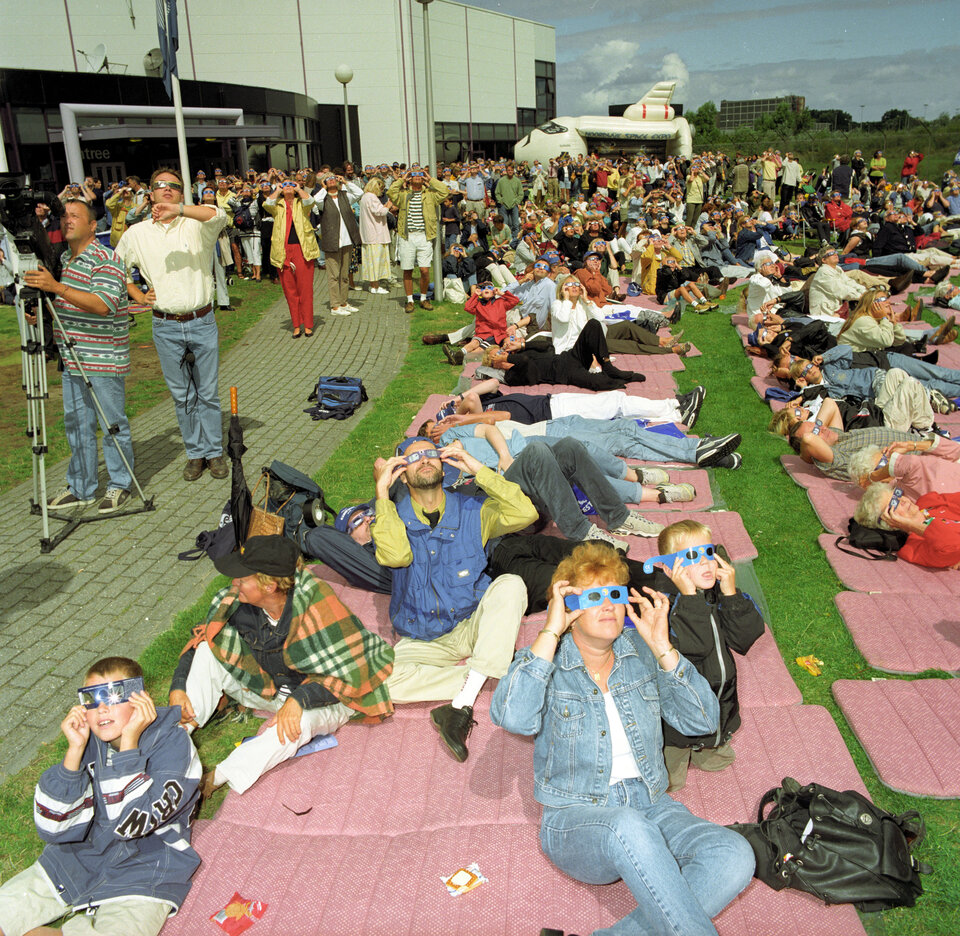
{"x": 325, "y": 641}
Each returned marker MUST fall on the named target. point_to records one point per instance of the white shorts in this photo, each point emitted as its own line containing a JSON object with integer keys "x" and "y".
{"x": 414, "y": 251}
{"x": 29, "y": 900}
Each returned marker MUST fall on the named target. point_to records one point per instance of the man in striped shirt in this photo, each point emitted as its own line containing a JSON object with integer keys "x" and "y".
{"x": 417, "y": 196}
{"x": 92, "y": 305}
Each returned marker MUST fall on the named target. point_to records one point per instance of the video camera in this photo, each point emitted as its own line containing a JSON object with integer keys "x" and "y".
{"x": 18, "y": 215}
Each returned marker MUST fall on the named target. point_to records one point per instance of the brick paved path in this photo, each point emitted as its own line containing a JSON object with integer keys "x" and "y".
{"x": 113, "y": 585}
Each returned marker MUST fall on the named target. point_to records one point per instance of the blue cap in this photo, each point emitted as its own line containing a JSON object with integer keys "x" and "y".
{"x": 406, "y": 443}
{"x": 340, "y": 521}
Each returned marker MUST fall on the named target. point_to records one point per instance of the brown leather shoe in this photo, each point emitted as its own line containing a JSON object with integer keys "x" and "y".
{"x": 218, "y": 467}
{"x": 193, "y": 469}
{"x": 408, "y": 307}
{"x": 434, "y": 339}
{"x": 426, "y": 304}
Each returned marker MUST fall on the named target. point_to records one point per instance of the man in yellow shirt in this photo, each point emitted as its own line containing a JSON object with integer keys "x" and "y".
{"x": 444, "y": 606}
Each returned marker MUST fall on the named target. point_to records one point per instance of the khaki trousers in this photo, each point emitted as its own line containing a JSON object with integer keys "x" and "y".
{"x": 904, "y": 400}
{"x": 338, "y": 276}
{"x": 427, "y": 670}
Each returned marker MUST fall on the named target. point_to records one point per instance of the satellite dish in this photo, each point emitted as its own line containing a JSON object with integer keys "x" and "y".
{"x": 98, "y": 58}
{"x": 153, "y": 63}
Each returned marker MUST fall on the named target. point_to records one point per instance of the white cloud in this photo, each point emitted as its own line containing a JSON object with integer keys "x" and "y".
{"x": 673, "y": 68}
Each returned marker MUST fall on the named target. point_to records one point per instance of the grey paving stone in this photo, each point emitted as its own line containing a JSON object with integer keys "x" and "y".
{"x": 113, "y": 585}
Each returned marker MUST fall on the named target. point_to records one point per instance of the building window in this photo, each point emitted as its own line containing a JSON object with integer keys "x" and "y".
{"x": 546, "y": 76}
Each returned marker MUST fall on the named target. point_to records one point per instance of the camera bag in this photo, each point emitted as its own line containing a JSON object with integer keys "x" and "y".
{"x": 336, "y": 397}
{"x": 871, "y": 544}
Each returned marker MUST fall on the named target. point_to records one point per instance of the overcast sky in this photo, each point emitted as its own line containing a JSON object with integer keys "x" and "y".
{"x": 835, "y": 53}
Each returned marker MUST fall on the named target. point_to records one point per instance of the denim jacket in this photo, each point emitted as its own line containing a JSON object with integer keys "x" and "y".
{"x": 559, "y": 703}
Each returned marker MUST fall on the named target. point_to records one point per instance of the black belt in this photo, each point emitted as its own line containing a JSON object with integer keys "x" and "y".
{"x": 183, "y": 316}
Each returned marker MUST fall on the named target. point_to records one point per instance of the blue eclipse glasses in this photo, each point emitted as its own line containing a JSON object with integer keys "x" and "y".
{"x": 690, "y": 556}
{"x": 590, "y": 598}
{"x": 817, "y": 426}
{"x": 414, "y": 457}
{"x": 895, "y": 500}
{"x": 110, "y": 693}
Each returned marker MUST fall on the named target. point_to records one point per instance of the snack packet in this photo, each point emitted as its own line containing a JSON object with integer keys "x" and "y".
{"x": 239, "y": 914}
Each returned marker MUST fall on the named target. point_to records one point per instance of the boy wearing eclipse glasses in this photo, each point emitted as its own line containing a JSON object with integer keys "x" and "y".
{"x": 709, "y": 617}
{"x": 115, "y": 815}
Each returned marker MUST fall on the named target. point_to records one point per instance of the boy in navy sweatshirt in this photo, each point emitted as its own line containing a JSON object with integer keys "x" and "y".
{"x": 115, "y": 815}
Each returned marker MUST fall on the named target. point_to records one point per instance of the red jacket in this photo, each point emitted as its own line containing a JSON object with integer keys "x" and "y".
{"x": 910, "y": 164}
{"x": 838, "y": 214}
{"x": 939, "y": 546}
{"x": 491, "y": 316}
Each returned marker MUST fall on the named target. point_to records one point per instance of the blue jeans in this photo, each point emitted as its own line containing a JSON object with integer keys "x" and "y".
{"x": 80, "y": 423}
{"x": 198, "y": 407}
{"x": 932, "y": 376}
{"x": 681, "y": 870}
{"x": 895, "y": 262}
{"x": 512, "y": 218}
{"x": 624, "y": 437}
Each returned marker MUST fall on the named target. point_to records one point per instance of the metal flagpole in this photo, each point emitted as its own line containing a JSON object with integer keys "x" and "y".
{"x": 178, "y": 105}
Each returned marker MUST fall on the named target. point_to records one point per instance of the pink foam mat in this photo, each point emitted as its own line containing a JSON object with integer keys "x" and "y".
{"x": 881, "y": 577}
{"x": 762, "y": 384}
{"x": 387, "y": 813}
{"x": 906, "y": 633}
{"x": 647, "y": 363}
{"x": 833, "y": 501}
{"x": 909, "y": 730}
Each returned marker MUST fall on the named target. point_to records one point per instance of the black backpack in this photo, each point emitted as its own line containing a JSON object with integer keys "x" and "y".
{"x": 871, "y": 544}
{"x": 837, "y": 846}
{"x": 242, "y": 219}
{"x": 336, "y": 397}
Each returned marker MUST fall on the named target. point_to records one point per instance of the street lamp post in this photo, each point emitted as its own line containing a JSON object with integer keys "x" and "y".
{"x": 862, "y": 106}
{"x": 432, "y": 154}
{"x": 344, "y": 74}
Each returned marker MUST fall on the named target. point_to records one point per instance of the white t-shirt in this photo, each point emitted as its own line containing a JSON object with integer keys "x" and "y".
{"x": 624, "y": 765}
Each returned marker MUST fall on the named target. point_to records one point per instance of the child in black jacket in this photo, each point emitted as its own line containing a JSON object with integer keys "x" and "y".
{"x": 709, "y": 617}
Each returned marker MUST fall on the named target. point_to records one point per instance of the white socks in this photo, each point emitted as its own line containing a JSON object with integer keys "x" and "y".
{"x": 471, "y": 689}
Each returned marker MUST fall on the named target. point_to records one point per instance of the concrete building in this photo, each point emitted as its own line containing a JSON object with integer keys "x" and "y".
{"x": 733, "y": 114}
{"x": 494, "y": 79}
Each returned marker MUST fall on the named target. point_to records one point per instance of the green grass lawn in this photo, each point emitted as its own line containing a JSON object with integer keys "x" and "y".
{"x": 798, "y": 584}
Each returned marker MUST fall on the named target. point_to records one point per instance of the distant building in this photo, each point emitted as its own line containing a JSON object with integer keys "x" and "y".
{"x": 733, "y": 114}
{"x": 494, "y": 80}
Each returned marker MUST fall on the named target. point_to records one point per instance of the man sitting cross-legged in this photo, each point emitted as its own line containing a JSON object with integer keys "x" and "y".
{"x": 444, "y": 606}
{"x": 279, "y": 639}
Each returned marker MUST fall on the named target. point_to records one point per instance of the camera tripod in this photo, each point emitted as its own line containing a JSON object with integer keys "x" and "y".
{"x": 34, "y": 382}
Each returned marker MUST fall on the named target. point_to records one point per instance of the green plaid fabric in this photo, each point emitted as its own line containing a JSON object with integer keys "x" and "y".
{"x": 325, "y": 641}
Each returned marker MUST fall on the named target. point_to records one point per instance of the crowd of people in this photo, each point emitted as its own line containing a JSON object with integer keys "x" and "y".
{"x": 541, "y": 257}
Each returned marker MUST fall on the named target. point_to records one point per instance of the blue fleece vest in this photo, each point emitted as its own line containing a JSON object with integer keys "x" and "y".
{"x": 445, "y": 581}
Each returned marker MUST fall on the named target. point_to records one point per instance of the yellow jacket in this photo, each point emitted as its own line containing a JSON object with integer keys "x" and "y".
{"x": 301, "y": 223}
{"x": 118, "y": 211}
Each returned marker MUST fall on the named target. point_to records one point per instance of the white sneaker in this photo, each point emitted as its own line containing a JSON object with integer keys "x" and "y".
{"x": 340, "y": 310}
{"x": 595, "y": 533}
{"x": 652, "y": 476}
{"x": 380, "y": 291}
{"x": 681, "y": 493}
{"x": 635, "y": 525}
{"x": 349, "y": 308}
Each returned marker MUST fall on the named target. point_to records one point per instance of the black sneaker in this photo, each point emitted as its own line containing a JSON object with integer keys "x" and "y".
{"x": 711, "y": 450}
{"x": 690, "y": 404}
{"x": 732, "y": 462}
{"x": 454, "y": 726}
